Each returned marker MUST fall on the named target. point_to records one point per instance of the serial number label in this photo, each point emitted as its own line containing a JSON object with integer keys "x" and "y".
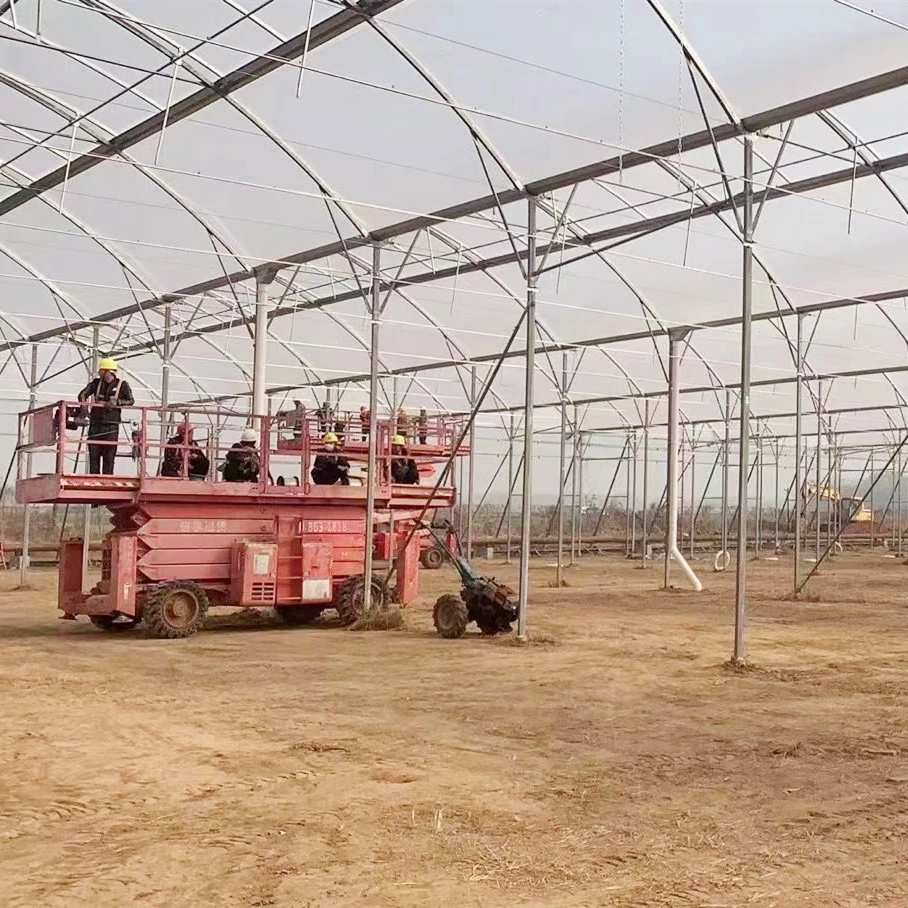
{"x": 203, "y": 526}
{"x": 329, "y": 526}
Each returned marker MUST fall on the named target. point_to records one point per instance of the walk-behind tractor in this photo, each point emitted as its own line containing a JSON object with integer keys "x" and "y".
{"x": 181, "y": 544}
{"x": 482, "y": 599}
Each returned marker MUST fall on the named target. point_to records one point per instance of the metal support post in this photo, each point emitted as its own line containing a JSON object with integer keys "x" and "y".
{"x": 819, "y": 467}
{"x": 726, "y": 450}
{"x": 799, "y": 499}
{"x": 372, "y": 471}
{"x": 693, "y": 497}
{"x": 872, "y": 511}
{"x": 758, "y": 534}
{"x": 739, "y": 653}
{"x": 632, "y": 452}
{"x": 86, "y": 524}
{"x": 675, "y": 336}
{"x": 579, "y": 496}
{"x": 166, "y": 359}
{"x": 471, "y": 466}
{"x": 527, "y": 503}
{"x": 628, "y": 550}
{"x": 776, "y": 540}
{"x": 898, "y": 513}
{"x": 263, "y": 278}
{"x": 562, "y": 474}
{"x": 644, "y": 527}
{"x": 575, "y": 436}
{"x": 24, "y": 559}
{"x": 511, "y": 440}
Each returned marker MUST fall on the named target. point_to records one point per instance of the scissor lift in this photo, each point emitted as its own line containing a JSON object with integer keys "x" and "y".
{"x": 179, "y": 546}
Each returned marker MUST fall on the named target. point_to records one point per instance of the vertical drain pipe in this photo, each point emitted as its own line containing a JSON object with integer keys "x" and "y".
{"x": 672, "y": 552}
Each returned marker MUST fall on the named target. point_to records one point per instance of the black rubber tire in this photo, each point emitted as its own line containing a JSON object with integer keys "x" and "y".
{"x": 114, "y": 623}
{"x": 450, "y": 617}
{"x": 350, "y": 598}
{"x": 173, "y": 610}
{"x": 432, "y": 559}
{"x": 295, "y": 615}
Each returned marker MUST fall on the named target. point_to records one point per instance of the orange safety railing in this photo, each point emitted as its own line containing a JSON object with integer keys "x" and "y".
{"x": 59, "y": 440}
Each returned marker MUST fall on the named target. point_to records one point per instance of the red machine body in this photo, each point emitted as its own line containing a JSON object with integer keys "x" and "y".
{"x": 297, "y": 547}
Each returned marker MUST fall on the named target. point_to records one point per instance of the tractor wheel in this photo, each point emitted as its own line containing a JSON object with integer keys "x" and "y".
{"x": 175, "y": 609}
{"x": 114, "y": 623}
{"x": 349, "y": 603}
{"x": 450, "y": 617}
{"x": 432, "y": 559}
{"x": 297, "y": 614}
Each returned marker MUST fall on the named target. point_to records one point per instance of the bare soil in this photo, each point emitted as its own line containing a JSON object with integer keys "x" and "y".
{"x": 617, "y": 762}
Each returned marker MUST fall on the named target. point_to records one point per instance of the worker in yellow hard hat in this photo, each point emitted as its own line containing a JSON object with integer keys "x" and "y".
{"x": 105, "y": 395}
{"x": 403, "y": 468}
{"x": 330, "y": 468}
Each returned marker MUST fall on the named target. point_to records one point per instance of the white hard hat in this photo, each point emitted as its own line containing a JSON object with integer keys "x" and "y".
{"x": 250, "y": 435}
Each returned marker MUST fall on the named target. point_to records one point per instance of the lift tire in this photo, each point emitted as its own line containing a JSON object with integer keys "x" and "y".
{"x": 114, "y": 623}
{"x": 450, "y": 617}
{"x": 432, "y": 559}
{"x": 295, "y": 615}
{"x": 349, "y": 603}
{"x": 176, "y": 609}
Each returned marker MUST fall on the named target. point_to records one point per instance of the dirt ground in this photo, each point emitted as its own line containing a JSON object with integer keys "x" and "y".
{"x": 615, "y": 762}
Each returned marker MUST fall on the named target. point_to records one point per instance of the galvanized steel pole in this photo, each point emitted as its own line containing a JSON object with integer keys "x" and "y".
{"x": 819, "y": 467}
{"x": 372, "y": 472}
{"x": 24, "y": 558}
{"x": 644, "y": 526}
{"x": 471, "y": 467}
{"x": 264, "y": 277}
{"x": 580, "y": 496}
{"x": 562, "y": 475}
{"x": 527, "y": 503}
{"x": 86, "y": 519}
{"x": 166, "y": 358}
{"x": 799, "y": 455}
{"x": 726, "y": 450}
{"x": 575, "y": 454}
{"x": 511, "y": 440}
{"x": 739, "y": 653}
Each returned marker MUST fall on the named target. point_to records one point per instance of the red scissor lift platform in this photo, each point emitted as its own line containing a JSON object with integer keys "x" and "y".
{"x": 178, "y": 545}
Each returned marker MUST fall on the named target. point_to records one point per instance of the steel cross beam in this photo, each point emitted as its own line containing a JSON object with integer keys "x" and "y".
{"x": 705, "y": 389}
{"x": 842, "y": 95}
{"x": 320, "y": 34}
{"x": 587, "y": 242}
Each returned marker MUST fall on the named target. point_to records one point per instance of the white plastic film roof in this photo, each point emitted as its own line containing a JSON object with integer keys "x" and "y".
{"x": 392, "y": 110}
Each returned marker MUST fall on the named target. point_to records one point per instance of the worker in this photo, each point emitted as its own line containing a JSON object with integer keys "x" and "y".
{"x": 183, "y": 457}
{"x": 365, "y": 421}
{"x": 107, "y": 392}
{"x": 403, "y": 468}
{"x": 299, "y": 417}
{"x": 423, "y": 423}
{"x": 340, "y": 430}
{"x": 325, "y": 414}
{"x": 402, "y": 423}
{"x": 242, "y": 463}
{"x": 330, "y": 469}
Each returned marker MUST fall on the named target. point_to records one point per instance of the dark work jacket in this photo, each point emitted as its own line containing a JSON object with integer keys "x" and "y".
{"x": 328, "y": 470}
{"x": 172, "y": 462}
{"x": 404, "y": 471}
{"x": 104, "y": 419}
{"x": 242, "y": 463}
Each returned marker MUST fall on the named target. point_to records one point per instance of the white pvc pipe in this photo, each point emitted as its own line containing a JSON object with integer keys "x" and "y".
{"x": 672, "y": 552}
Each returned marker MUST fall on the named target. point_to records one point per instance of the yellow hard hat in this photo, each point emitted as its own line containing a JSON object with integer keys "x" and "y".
{"x": 399, "y": 440}
{"x": 330, "y": 439}
{"x": 107, "y": 365}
